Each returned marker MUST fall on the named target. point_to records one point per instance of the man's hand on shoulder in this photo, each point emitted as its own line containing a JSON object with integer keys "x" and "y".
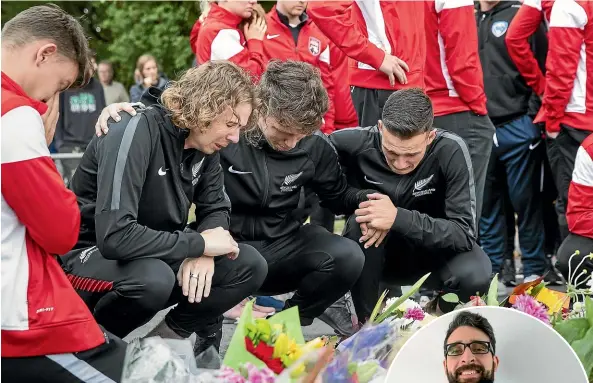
{"x": 113, "y": 111}
{"x": 377, "y": 213}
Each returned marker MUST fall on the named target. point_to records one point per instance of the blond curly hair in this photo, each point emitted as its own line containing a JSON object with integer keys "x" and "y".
{"x": 204, "y": 92}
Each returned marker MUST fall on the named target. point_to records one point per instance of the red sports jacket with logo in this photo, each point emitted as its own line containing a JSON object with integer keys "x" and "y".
{"x": 42, "y": 314}
{"x": 579, "y": 211}
{"x": 312, "y": 47}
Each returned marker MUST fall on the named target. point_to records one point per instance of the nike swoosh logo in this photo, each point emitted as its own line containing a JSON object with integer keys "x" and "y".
{"x": 533, "y": 146}
{"x": 162, "y": 172}
{"x": 231, "y": 170}
{"x": 269, "y": 37}
{"x": 372, "y": 182}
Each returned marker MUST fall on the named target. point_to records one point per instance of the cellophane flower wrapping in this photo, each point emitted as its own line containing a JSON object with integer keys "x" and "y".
{"x": 158, "y": 360}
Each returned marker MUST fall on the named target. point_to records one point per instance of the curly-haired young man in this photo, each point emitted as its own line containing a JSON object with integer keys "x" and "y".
{"x": 135, "y": 254}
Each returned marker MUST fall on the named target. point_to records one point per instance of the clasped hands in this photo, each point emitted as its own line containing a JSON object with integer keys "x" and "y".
{"x": 195, "y": 274}
{"x": 375, "y": 217}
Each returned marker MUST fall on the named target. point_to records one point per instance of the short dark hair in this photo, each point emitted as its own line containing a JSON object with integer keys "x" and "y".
{"x": 292, "y": 92}
{"x": 470, "y": 319}
{"x": 50, "y": 22}
{"x": 407, "y": 113}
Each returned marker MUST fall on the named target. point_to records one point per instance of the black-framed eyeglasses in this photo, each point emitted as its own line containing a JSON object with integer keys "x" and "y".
{"x": 476, "y": 347}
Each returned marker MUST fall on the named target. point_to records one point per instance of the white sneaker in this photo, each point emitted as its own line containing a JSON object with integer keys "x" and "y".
{"x": 531, "y": 278}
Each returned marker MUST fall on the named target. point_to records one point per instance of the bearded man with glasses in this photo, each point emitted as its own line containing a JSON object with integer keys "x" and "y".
{"x": 470, "y": 350}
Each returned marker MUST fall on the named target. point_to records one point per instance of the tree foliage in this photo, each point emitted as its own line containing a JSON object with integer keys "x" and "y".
{"x": 121, "y": 31}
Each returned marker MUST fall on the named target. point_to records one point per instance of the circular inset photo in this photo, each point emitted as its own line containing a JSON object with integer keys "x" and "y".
{"x": 487, "y": 344}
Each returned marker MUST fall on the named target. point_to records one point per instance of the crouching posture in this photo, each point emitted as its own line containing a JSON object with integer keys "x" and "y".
{"x": 135, "y": 254}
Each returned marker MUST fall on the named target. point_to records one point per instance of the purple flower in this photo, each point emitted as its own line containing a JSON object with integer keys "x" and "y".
{"x": 530, "y": 306}
{"x": 256, "y": 375}
{"x": 414, "y": 313}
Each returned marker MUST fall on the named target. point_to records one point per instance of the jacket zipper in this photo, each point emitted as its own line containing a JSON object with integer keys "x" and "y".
{"x": 186, "y": 203}
{"x": 267, "y": 180}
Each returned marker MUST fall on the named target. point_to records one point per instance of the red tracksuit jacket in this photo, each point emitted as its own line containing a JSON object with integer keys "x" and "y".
{"x": 524, "y": 25}
{"x": 365, "y": 30}
{"x": 346, "y": 116}
{"x": 454, "y": 79}
{"x": 220, "y": 39}
{"x": 568, "y": 96}
{"x": 579, "y": 211}
{"x": 312, "y": 47}
{"x": 42, "y": 314}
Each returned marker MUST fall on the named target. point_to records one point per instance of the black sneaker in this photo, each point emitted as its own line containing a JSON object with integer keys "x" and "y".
{"x": 340, "y": 316}
{"x": 204, "y": 343}
{"x": 508, "y": 273}
{"x": 551, "y": 275}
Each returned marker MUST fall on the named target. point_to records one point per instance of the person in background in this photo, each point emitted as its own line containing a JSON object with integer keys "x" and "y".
{"x": 530, "y": 18}
{"x": 379, "y": 36}
{"x": 579, "y": 215}
{"x": 79, "y": 110}
{"x": 292, "y": 35}
{"x": 114, "y": 91}
{"x": 426, "y": 176}
{"x": 146, "y": 75}
{"x": 234, "y": 31}
{"x": 455, "y": 84}
{"x": 195, "y": 30}
{"x": 48, "y": 333}
{"x": 567, "y": 105}
{"x": 516, "y": 150}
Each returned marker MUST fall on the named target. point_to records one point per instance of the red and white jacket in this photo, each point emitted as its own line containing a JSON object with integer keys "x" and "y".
{"x": 524, "y": 25}
{"x": 42, "y": 314}
{"x": 219, "y": 38}
{"x": 193, "y": 37}
{"x": 366, "y": 30}
{"x": 312, "y": 47}
{"x": 454, "y": 79}
{"x": 579, "y": 211}
{"x": 346, "y": 116}
{"x": 568, "y": 96}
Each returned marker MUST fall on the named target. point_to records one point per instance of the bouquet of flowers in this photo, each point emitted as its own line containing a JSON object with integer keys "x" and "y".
{"x": 365, "y": 357}
{"x": 275, "y": 343}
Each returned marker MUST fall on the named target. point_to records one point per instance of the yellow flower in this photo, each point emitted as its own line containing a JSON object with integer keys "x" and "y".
{"x": 281, "y": 346}
{"x": 297, "y": 370}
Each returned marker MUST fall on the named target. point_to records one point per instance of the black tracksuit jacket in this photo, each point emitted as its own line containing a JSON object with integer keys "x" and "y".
{"x": 264, "y": 185}
{"x": 135, "y": 186}
{"x": 508, "y": 94}
{"x": 436, "y": 202}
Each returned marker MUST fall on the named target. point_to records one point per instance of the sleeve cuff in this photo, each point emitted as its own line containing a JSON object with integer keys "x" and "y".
{"x": 373, "y": 56}
{"x": 403, "y": 221}
{"x": 196, "y": 244}
{"x": 255, "y": 45}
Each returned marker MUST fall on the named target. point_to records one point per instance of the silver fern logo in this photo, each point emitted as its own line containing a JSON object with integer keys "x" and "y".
{"x": 420, "y": 185}
{"x": 195, "y": 170}
{"x": 288, "y": 184}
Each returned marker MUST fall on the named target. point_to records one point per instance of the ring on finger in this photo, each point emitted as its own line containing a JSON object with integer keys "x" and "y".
{"x": 192, "y": 275}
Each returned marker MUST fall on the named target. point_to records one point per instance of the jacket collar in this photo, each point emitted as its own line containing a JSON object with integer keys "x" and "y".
{"x": 224, "y": 16}
{"x": 8, "y": 84}
{"x": 152, "y": 97}
{"x": 275, "y": 13}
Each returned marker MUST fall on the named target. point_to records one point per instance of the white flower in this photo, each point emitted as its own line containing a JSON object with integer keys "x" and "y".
{"x": 407, "y": 304}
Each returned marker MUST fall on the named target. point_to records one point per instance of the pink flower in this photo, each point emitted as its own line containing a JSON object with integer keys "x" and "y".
{"x": 414, "y": 313}
{"x": 255, "y": 375}
{"x": 529, "y": 305}
{"x": 231, "y": 376}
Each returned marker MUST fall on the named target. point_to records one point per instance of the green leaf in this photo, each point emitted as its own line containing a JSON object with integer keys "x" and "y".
{"x": 589, "y": 310}
{"x": 378, "y": 306}
{"x": 572, "y": 329}
{"x": 492, "y": 299}
{"x": 584, "y": 349}
{"x": 450, "y": 298}
{"x": 537, "y": 289}
{"x": 401, "y": 299}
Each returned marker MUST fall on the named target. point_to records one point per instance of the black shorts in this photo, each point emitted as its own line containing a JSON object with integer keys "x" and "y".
{"x": 102, "y": 364}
